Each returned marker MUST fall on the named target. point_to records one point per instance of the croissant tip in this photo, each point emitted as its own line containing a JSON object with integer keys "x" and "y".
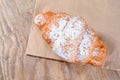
{"x": 39, "y": 20}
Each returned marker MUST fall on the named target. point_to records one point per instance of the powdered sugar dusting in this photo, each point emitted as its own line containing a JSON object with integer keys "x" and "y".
{"x": 95, "y": 52}
{"x": 67, "y": 30}
{"x": 57, "y": 31}
{"x": 85, "y": 45}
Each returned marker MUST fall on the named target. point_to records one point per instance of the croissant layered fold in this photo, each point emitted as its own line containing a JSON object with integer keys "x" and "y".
{"x": 71, "y": 38}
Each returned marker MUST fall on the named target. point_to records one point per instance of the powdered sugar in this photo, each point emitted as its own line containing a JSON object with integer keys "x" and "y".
{"x": 67, "y": 29}
{"x": 57, "y": 31}
{"x": 85, "y": 45}
{"x": 95, "y": 52}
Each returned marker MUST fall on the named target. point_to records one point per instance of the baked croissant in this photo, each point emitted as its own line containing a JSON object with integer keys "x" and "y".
{"x": 71, "y": 38}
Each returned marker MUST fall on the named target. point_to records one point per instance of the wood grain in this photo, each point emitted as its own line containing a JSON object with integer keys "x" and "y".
{"x": 15, "y": 21}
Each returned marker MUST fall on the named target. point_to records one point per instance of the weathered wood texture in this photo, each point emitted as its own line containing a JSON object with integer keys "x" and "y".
{"x": 15, "y": 21}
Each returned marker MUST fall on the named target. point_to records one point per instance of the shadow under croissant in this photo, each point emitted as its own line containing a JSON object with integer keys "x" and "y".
{"x": 108, "y": 41}
{"x": 111, "y": 47}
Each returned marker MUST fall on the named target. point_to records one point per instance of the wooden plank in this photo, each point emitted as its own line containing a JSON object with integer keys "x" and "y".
{"x": 15, "y": 21}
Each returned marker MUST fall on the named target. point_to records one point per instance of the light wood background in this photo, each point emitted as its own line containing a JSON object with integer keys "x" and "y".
{"x": 15, "y": 21}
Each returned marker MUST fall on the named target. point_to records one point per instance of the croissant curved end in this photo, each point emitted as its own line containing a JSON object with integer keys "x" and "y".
{"x": 39, "y": 20}
{"x": 99, "y": 54}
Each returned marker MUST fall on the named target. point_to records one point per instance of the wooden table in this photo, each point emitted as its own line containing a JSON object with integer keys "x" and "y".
{"x": 15, "y": 21}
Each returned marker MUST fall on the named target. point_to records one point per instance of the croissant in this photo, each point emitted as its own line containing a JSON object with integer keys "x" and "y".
{"x": 71, "y": 38}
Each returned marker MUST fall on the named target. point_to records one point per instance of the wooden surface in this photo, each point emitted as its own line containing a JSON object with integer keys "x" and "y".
{"x": 15, "y": 21}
